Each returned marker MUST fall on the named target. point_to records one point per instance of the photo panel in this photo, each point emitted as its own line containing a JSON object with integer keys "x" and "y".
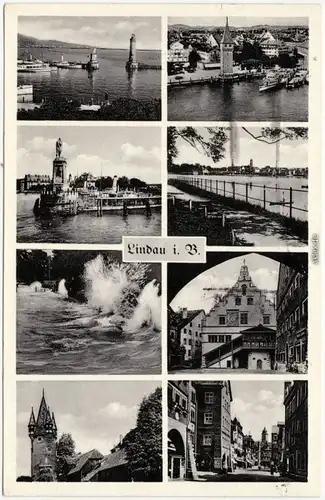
{"x": 89, "y": 68}
{"x": 239, "y": 185}
{"x": 87, "y": 312}
{"x": 239, "y": 313}
{"x": 93, "y": 431}
{"x": 238, "y": 69}
{"x": 88, "y": 185}
{"x": 238, "y": 431}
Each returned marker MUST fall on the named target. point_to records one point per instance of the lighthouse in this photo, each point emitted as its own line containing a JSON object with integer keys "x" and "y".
{"x": 132, "y": 64}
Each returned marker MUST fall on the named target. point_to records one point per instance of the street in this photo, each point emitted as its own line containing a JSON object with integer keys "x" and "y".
{"x": 243, "y": 476}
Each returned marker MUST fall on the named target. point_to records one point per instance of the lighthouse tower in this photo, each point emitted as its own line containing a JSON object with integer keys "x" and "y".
{"x": 43, "y": 433}
{"x": 132, "y": 64}
{"x": 226, "y": 52}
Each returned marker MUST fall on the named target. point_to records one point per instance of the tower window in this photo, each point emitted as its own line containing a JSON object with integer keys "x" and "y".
{"x": 222, "y": 320}
{"x": 238, "y": 301}
{"x": 243, "y": 318}
{"x": 49, "y": 449}
{"x": 249, "y": 301}
{"x": 39, "y": 439}
{"x": 244, "y": 289}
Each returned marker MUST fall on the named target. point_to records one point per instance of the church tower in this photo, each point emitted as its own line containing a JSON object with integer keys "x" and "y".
{"x": 226, "y": 52}
{"x": 59, "y": 178}
{"x": 43, "y": 433}
{"x": 132, "y": 64}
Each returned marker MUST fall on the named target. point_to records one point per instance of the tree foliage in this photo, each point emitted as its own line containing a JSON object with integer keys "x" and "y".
{"x": 65, "y": 451}
{"x": 144, "y": 444}
{"x": 32, "y": 265}
{"x": 212, "y": 143}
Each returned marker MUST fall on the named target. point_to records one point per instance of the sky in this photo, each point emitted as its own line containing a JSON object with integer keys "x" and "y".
{"x": 263, "y": 271}
{"x": 130, "y": 151}
{"x": 95, "y": 413}
{"x": 258, "y": 404}
{"x": 239, "y": 21}
{"x": 106, "y": 32}
{"x": 291, "y": 153}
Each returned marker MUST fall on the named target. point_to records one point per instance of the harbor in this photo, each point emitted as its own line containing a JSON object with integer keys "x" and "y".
{"x": 96, "y": 83}
{"x": 87, "y": 208}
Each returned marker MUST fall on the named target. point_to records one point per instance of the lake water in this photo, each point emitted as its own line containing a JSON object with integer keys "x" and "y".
{"x": 240, "y": 101}
{"x": 277, "y": 190}
{"x": 104, "y": 335}
{"x": 111, "y": 77}
{"x": 84, "y": 227}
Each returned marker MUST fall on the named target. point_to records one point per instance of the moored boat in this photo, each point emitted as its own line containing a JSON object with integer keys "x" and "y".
{"x": 273, "y": 80}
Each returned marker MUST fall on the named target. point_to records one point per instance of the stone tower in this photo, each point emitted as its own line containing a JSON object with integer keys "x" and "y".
{"x": 43, "y": 433}
{"x": 264, "y": 436}
{"x": 59, "y": 178}
{"x": 132, "y": 64}
{"x": 226, "y": 52}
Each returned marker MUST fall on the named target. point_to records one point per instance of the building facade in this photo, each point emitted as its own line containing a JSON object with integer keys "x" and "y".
{"x": 42, "y": 432}
{"x": 292, "y": 318}
{"x": 226, "y": 52}
{"x": 237, "y": 442}
{"x": 243, "y": 318}
{"x": 185, "y": 328}
{"x": 296, "y": 428}
{"x": 33, "y": 180}
{"x": 277, "y": 444}
{"x": 214, "y": 425}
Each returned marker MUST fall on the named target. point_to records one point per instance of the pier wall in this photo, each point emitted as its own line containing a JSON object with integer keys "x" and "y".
{"x": 269, "y": 194}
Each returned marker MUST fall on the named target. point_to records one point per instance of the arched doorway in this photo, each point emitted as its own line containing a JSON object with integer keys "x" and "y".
{"x": 176, "y": 455}
{"x": 259, "y": 364}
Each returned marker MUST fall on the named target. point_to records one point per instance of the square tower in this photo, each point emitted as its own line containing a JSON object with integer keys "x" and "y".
{"x": 226, "y": 52}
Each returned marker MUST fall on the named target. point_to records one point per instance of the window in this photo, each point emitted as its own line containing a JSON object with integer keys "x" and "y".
{"x": 238, "y": 301}
{"x": 228, "y": 364}
{"x": 208, "y": 397}
{"x": 250, "y": 301}
{"x": 208, "y": 418}
{"x": 213, "y": 338}
{"x": 243, "y": 289}
{"x": 193, "y": 399}
{"x": 207, "y": 440}
{"x": 228, "y": 338}
{"x": 190, "y": 332}
{"x": 222, "y": 320}
{"x": 221, "y": 338}
{"x": 177, "y": 398}
{"x": 185, "y": 340}
{"x": 243, "y": 318}
{"x": 266, "y": 320}
{"x": 39, "y": 439}
{"x": 189, "y": 342}
{"x": 304, "y": 307}
{"x": 184, "y": 330}
{"x": 183, "y": 403}
{"x": 191, "y": 323}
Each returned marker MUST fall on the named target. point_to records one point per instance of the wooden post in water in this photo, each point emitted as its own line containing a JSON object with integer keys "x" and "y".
{"x": 264, "y": 196}
{"x": 217, "y": 186}
{"x": 233, "y": 237}
{"x": 190, "y": 205}
{"x": 205, "y": 211}
{"x": 223, "y": 219}
{"x": 125, "y": 208}
{"x": 246, "y": 192}
{"x": 290, "y": 206}
{"x": 234, "y": 190}
{"x": 224, "y": 188}
{"x": 174, "y": 198}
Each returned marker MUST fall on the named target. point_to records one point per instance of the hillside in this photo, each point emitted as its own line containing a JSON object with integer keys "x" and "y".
{"x": 29, "y": 41}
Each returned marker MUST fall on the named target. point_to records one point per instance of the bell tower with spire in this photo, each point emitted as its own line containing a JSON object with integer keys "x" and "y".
{"x": 226, "y": 52}
{"x": 43, "y": 434}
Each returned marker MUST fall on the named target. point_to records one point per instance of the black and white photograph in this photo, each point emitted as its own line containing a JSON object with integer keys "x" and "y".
{"x": 238, "y": 185}
{"x": 238, "y": 431}
{"x": 87, "y": 312}
{"x": 88, "y": 185}
{"x": 239, "y": 313}
{"x": 89, "y": 431}
{"x": 89, "y": 68}
{"x": 238, "y": 68}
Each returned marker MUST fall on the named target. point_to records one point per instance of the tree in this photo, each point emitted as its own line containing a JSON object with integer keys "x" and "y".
{"x": 213, "y": 143}
{"x": 65, "y": 452}
{"x": 32, "y": 265}
{"x": 193, "y": 58}
{"x": 123, "y": 182}
{"x": 144, "y": 445}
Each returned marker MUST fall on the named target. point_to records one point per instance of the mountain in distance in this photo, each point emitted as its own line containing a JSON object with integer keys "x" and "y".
{"x": 180, "y": 27}
{"x": 29, "y": 41}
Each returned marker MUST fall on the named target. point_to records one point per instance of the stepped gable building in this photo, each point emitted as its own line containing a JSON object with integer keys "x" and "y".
{"x": 292, "y": 318}
{"x": 296, "y": 429}
{"x": 43, "y": 433}
{"x": 240, "y": 330}
{"x": 226, "y": 52}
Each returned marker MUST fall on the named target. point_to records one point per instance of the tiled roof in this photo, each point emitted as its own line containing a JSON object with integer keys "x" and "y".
{"x": 82, "y": 460}
{"x": 115, "y": 459}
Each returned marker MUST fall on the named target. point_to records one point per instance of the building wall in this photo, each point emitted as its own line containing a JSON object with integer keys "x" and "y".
{"x": 296, "y": 428}
{"x": 191, "y": 336}
{"x": 213, "y": 425}
{"x": 43, "y": 449}
{"x": 226, "y": 58}
{"x": 292, "y": 316}
{"x": 263, "y": 357}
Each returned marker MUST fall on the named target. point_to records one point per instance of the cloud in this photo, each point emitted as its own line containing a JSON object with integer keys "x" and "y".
{"x": 117, "y": 410}
{"x": 139, "y": 155}
{"x": 38, "y": 143}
